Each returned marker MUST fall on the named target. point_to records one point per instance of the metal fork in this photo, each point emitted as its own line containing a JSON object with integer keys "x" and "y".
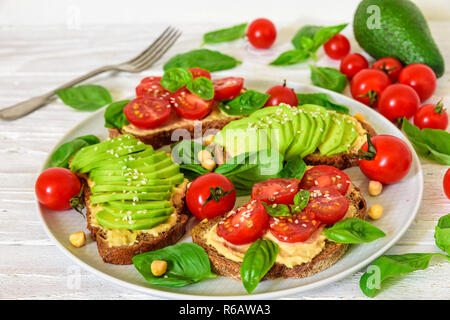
{"x": 141, "y": 62}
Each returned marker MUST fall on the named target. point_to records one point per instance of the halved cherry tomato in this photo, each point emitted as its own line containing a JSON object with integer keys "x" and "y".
{"x": 325, "y": 176}
{"x": 432, "y": 116}
{"x": 189, "y": 105}
{"x": 297, "y": 228}
{"x": 198, "y": 72}
{"x": 327, "y": 204}
{"x": 446, "y": 183}
{"x": 227, "y": 88}
{"x": 261, "y": 33}
{"x": 353, "y": 63}
{"x": 398, "y": 101}
{"x": 367, "y": 85}
{"x": 151, "y": 86}
{"x": 337, "y": 47}
{"x": 147, "y": 112}
{"x": 420, "y": 77}
{"x": 390, "y": 65}
{"x": 281, "y": 94}
{"x": 245, "y": 224}
{"x": 275, "y": 190}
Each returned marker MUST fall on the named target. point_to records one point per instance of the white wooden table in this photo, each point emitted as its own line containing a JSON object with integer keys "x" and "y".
{"x": 38, "y": 58}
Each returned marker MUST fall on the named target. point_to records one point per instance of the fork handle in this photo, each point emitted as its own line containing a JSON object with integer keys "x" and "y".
{"x": 23, "y": 108}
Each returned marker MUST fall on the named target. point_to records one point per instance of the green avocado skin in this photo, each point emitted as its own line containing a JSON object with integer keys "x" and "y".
{"x": 403, "y": 33}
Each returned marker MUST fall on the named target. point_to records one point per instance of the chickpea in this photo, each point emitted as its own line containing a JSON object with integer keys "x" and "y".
{"x": 375, "y": 212}
{"x": 204, "y": 155}
{"x": 209, "y": 164}
{"x": 209, "y": 139}
{"x": 359, "y": 117}
{"x": 375, "y": 188}
{"x": 78, "y": 239}
{"x": 158, "y": 267}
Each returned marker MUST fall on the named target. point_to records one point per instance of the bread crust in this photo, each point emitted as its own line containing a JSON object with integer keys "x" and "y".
{"x": 330, "y": 254}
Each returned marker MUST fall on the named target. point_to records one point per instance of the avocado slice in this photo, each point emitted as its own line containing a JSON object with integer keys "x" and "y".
{"x": 348, "y": 137}
{"x": 108, "y": 220}
{"x": 138, "y": 214}
{"x": 317, "y": 131}
{"x": 141, "y": 205}
{"x": 304, "y": 124}
{"x": 334, "y": 135}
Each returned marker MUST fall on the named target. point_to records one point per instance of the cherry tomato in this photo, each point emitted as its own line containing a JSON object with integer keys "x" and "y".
{"x": 367, "y": 86}
{"x": 281, "y": 94}
{"x": 261, "y": 33}
{"x": 327, "y": 204}
{"x": 275, "y": 190}
{"x": 147, "y": 112}
{"x": 352, "y": 63}
{"x": 56, "y": 186}
{"x": 325, "y": 176}
{"x": 397, "y": 101}
{"x": 337, "y": 47}
{"x": 198, "y": 72}
{"x": 227, "y": 88}
{"x": 446, "y": 183}
{"x": 210, "y": 195}
{"x": 388, "y": 161}
{"x": 151, "y": 86}
{"x": 297, "y": 228}
{"x": 245, "y": 224}
{"x": 432, "y": 116}
{"x": 189, "y": 105}
{"x": 390, "y": 65}
{"x": 421, "y": 78}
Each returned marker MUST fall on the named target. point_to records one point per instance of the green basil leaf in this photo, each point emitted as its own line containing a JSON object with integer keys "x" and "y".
{"x": 307, "y": 31}
{"x": 244, "y": 104}
{"x": 328, "y": 78}
{"x": 277, "y": 210}
{"x": 301, "y": 200}
{"x": 226, "y": 34}
{"x": 192, "y": 171}
{"x": 201, "y": 87}
{"x": 321, "y": 99}
{"x": 87, "y": 97}
{"x": 306, "y": 43}
{"x": 388, "y": 266}
{"x": 186, "y": 151}
{"x": 202, "y": 58}
{"x": 326, "y": 33}
{"x": 186, "y": 263}
{"x": 114, "y": 116}
{"x": 175, "y": 78}
{"x": 353, "y": 230}
{"x": 257, "y": 261}
{"x": 433, "y": 144}
{"x": 442, "y": 234}
{"x": 294, "y": 168}
{"x": 62, "y": 155}
{"x": 291, "y": 57}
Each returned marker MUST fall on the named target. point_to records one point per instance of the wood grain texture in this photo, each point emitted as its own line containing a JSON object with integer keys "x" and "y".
{"x": 36, "y": 59}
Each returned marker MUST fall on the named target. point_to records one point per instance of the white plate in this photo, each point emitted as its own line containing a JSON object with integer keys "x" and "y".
{"x": 400, "y": 201}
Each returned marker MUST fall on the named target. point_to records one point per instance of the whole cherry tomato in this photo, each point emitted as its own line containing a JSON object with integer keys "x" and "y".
{"x": 337, "y": 47}
{"x": 421, "y": 78}
{"x": 432, "y": 116}
{"x": 398, "y": 101}
{"x": 281, "y": 94}
{"x": 446, "y": 183}
{"x": 261, "y": 33}
{"x": 367, "y": 86}
{"x": 390, "y": 65}
{"x": 352, "y": 63}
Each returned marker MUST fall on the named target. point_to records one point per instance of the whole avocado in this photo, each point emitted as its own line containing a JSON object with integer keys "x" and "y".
{"x": 396, "y": 28}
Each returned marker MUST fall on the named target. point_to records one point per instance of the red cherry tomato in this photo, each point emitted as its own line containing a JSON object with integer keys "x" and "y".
{"x": 275, "y": 190}
{"x": 189, "y": 105}
{"x": 421, "y": 78}
{"x": 297, "y": 228}
{"x": 337, "y": 47}
{"x": 327, "y": 204}
{"x": 281, "y": 94}
{"x": 325, "y": 176}
{"x": 56, "y": 186}
{"x": 151, "y": 86}
{"x": 214, "y": 189}
{"x": 397, "y": 101}
{"x": 432, "y": 116}
{"x": 446, "y": 183}
{"x": 147, "y": 112}
{"x": 352, "y": 63}
{"x": 367, "y": 86}
{"x": 389, "y": 162}
{"x": 261, "y": 33}
{"x": 390, "y": 65}
{"x": 198, "y": 72}
{"x": 227, "y": 88}
{"x": 245, "y": 224}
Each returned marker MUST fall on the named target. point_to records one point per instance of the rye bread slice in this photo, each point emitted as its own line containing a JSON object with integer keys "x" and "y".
{"x": 330, "y": 254}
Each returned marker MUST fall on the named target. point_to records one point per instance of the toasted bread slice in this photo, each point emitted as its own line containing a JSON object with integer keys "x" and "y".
{"x": 123, "y": 253}
{"x": 329, "y": 255}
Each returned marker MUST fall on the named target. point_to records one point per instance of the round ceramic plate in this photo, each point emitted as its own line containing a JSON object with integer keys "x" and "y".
{"x": 400, "y": 201}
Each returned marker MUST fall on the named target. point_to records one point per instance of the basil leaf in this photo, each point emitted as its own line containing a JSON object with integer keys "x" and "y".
{"x": 257, "y": 261}
{"x": 175, "y": 78}
{"x": 301, "y": 200}
{"x": 114, "y": 116}
{"x": 201, "y": 87}
{"x": 321, "y": 99}
{"x": 328, "y": 78}
{"x": 226, "y": 34}
{"x": 186, "y": 151}
{"x": 62, "y": 155}
{"x": 353, "y": 230}
{"x": 291, "y": 57}
{"x": 326, "y": 33}
{"x": 294, "y": 168}
{"x": 87, "y": 97}
{"x": 388, "y": 266}
{"x": 307, "y": 31}
{"x": 244, "y": 104}
{"x": 318, "y": 35}
{"x": 192, "y": 171}
{"x": 442, "y": 234}
{"x": 277, "y": 210}
{"x": 202, "y": 58}
{"x": 433, "y": 144}
{"x": 186, "y": 263}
